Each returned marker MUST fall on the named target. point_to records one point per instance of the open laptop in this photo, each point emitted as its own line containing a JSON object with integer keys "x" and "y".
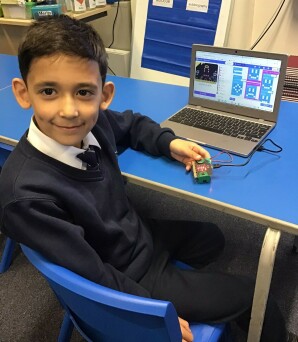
{"x": 234, "y": 98}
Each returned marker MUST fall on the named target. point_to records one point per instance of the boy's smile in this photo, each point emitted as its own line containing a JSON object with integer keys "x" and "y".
{"x": 66, "y": 94}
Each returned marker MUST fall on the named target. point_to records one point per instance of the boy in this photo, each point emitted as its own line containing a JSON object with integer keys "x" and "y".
{"x": 71, "y": 206}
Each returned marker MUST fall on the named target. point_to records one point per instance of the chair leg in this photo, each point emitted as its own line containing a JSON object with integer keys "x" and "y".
{"x": 66, "y": 329}
{"x": 7, "y": 255}
{"x": 263, "y": 282}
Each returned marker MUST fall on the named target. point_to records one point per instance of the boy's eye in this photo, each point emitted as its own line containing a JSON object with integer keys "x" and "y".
{"x": 84, "y": 92}
{"x": 48, "y": 91}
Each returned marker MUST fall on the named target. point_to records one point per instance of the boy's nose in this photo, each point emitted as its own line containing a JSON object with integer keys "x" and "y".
{"x": 68, "y": 108}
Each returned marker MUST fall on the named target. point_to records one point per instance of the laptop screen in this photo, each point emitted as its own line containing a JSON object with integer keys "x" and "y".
{"x": 245, "y": 81}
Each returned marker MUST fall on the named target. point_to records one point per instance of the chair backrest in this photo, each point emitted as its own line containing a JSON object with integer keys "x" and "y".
{"x": 103, "y": 314}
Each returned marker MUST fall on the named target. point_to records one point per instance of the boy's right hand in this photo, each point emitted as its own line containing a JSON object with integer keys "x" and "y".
{"x": 185, "y": 330}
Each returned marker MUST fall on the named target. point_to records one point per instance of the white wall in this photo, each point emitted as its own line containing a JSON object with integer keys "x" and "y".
{"x": 122, "y": 29}
{"x": 250, "y": 17}
{"x": 133, "y": 7}
{"x": 282, "y": 36}
{"x": 239, "y": 35}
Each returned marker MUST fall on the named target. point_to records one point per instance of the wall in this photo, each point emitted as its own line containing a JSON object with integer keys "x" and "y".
{"x": 122, "y": 29}
{"x": 282, "y": 36}
{"x": 239, "y": 35}
{"x": 119, "y": 53}
{"x": 13, "y": 30}
{"x": 139, "y": 15}
{"x": 248, "y": 19}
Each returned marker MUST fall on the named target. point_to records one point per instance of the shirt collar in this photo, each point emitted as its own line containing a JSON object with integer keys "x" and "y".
{"x": 53, "y": 149}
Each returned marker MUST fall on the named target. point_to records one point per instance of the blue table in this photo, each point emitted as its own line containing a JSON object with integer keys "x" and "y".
{"x": 264, "y": 191}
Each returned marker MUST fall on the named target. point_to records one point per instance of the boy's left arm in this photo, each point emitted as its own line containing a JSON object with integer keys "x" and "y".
{"x": 187, "y": 151}
{"x": 142, "y": 133}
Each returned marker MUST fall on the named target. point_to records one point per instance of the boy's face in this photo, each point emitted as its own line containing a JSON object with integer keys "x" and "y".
{"x": 66, "y": 94}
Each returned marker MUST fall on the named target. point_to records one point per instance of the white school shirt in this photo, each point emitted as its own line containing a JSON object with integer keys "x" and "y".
{"x": 53, "y": 149}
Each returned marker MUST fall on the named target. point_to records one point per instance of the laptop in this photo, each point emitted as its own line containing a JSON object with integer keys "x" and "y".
{"x": 234, "y": 98}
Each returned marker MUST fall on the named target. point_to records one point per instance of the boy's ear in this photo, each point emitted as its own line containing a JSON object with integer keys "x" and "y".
{"x": 20, "y": 91}
{"x": 107, "y": 95}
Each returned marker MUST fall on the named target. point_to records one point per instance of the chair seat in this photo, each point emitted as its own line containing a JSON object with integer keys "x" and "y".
{"x": 96, "y": 310}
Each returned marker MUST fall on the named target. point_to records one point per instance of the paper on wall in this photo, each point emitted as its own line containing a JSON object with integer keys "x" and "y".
{"x": 197, "y": 5}
{"x": 163, "y": 3}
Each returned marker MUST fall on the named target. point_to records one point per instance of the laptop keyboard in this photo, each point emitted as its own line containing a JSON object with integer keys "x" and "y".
{"x": 221, "y": 124}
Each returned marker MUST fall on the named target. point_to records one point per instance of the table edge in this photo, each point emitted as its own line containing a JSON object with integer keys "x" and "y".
{"x": 214, "y": 204}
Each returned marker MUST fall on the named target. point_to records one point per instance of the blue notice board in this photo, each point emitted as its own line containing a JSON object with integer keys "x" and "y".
{"x": 170, "y": 33}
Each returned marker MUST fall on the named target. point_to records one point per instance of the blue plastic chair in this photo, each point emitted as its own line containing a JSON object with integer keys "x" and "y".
{"x": 103, "y": 314}
{"x": 7, "y": 254}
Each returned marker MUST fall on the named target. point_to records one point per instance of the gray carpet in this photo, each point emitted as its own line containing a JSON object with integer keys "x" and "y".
{"x": 29, "y": 311}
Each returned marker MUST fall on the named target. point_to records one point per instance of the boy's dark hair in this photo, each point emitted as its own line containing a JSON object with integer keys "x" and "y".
{"x": 61, "y": 35}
